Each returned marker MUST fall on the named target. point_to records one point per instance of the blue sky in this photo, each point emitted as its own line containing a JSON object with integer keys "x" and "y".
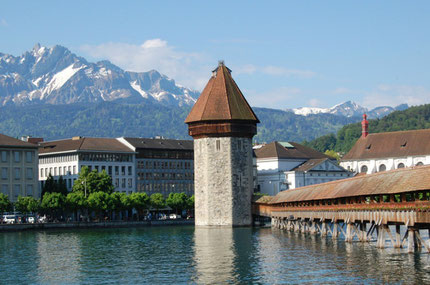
{"x": 284, "y": 54}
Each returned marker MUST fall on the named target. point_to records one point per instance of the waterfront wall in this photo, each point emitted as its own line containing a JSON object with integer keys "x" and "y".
{"x": 110, "y": 224}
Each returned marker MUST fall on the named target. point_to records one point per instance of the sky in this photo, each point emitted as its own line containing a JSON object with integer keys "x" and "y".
{"x": 283, "y": 54}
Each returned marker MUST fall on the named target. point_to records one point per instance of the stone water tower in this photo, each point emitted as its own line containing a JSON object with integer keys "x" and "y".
{"x": 222, "y": 124}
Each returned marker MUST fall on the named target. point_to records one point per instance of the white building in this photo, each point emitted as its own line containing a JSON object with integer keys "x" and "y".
{"x": 66, "y": 158}
{"x": 386, "y": 151}
{"x": 18, "y": 165}
{"x": 163, "y": 165}
{"x": 283, "y": 165}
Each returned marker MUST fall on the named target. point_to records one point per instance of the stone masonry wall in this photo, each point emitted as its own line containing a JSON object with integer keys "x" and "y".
{"x": 223, "y": 181}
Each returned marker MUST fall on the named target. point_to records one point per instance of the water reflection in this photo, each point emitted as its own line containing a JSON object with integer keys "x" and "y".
{"x": 58, "y": 257}
{"x": 214, "y": 255}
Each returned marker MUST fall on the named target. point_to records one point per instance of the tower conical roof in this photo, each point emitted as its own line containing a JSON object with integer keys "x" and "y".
{"x": 221, "y": 100}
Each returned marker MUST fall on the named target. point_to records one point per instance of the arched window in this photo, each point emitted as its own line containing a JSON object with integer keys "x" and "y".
{"x": 363, "y": 169}
{"x": 419, "y": 163}
{"x": 400, "y": 165}
{"x": 382, "y": 167}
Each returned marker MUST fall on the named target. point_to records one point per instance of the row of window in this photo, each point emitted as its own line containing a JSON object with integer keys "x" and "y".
{"x": 172, "y": 154}
{"x": 163, "y": 176}
{"x": 29, "y": 156}
{"x": 55, "y": 171}
{"x": 69, "y": 170}
{"x": 164, "y": 164}
{"x": 123, "y": 182}
{"x": 17, "y": 190}
{"x": 166, "y": 188}
{"x": 17, "y": 173}
{"x": 382, "y": 167}
{"x": 328, "y": 174}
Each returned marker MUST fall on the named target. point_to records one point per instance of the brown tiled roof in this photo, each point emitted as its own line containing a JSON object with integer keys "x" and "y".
{"x": 83, "y": 144}
{"x": 6, "y": 141}
{"x": 311, "y": 163}
{"x": 276, "y": 150}
{"x": 387, "y": 182}
{"x": 160, "y": 143}
{"x": 221, "y": 100}
{"x": 391, "y": 144}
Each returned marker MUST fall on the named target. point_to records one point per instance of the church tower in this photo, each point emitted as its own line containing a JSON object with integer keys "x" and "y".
{"x": 222, "y": 124}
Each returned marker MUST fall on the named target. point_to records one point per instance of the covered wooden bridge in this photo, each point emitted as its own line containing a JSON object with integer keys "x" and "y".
{"x": 358, "y": 208}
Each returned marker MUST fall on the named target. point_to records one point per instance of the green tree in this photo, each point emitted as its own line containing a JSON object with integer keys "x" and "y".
{"x": 76, "y": 201}
{"x": 332, "y": 154}
{"x": 127, "y": 203}
{"x": 61, "y": 186}
{"x": 92, "y": 181}
{"x": 53, "y": 203}
{"x": 140, "y": 202}
{"x": 190, "y": 202}
{"x": 116, "y": 201}
{"x": 157, "y": 201}
{"x": 5, "y": 204}
{"x": 26, "y": 205}
{"x": 49, "y": 185}
{"x": 99, "y": 202}
{"x": 177, "y": 201}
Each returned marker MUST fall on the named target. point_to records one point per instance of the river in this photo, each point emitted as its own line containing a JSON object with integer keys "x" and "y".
{"x": 184, "y": 255}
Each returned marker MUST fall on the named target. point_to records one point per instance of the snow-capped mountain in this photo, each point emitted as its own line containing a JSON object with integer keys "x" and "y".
{"x": 349, "y": 109}
{"x": 57, "y": 76}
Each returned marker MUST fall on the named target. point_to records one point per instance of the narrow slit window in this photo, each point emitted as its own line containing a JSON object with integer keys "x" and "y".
{"x": 218, "y": 145}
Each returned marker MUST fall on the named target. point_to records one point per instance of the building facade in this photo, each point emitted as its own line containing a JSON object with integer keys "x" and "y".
{"x": 66, "y": 158}
{"x": 18, "y": 164}
{"x": 163, "y": 165}
{"x": 387, "y": 151}
{"x": 222, "y": 125}
{"x": 288, "y": 165}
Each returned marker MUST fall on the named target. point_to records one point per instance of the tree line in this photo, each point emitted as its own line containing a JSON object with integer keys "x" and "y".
{"x": 93, "y": 192}
{"x": 413, "y": 118}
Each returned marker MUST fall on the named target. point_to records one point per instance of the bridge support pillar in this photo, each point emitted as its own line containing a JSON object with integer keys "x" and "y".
{"x": 362, "y": 232}
{"x": 323, "y": 229}
{"x": 349, "y": 232}
{"x": 313, "y": 229}
{"x": 335, "y": 233}
{"x": 381, "y": 237}
{"x": 398, "y": 243}
{"x": 411, "y": 239}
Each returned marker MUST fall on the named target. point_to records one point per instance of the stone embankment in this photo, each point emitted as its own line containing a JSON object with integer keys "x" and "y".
{"x": 109, "y": 224}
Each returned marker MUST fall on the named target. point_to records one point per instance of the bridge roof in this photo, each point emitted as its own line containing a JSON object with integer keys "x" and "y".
{"x": 381, "y": 183}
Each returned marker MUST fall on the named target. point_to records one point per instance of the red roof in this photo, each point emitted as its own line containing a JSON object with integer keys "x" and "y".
{"x": 6, "y": 141}
{"x": 276, "y": 150}
{"x": 83, "y": 144}
{"x": 391, "y": 144}
{"x": 221, "y": 100}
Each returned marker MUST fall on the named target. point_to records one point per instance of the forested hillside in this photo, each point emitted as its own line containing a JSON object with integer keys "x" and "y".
{"x": 413, "y": 118}
{"x": 107, "y": 119}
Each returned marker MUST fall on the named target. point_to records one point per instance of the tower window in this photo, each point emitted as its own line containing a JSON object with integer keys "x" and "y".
{"x": 218, "y": 145}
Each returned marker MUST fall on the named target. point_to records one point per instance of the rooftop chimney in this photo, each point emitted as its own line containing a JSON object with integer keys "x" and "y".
{"x": 364, "y": 126}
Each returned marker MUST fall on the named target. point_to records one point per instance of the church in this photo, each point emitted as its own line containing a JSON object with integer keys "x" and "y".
{"x": 387, "y": 151}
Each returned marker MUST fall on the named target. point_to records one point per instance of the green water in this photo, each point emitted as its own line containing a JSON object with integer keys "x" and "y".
{"x": 184, "y": 255}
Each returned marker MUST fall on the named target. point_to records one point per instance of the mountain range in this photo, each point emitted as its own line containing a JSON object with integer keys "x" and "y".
{"x": 57, "y": 76}
{"x": 101, "y": 99}
{"x": 349, "y": 109}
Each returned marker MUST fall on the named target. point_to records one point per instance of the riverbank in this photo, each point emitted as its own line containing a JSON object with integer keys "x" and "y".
{"x": 86, "y": 225}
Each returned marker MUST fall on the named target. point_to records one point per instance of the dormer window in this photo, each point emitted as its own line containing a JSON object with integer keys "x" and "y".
{"x": 369, "y": 146}
{"x": 403, "y": 144}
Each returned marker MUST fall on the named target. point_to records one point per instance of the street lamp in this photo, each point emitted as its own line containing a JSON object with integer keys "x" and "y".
{"x": 85, "y": 185}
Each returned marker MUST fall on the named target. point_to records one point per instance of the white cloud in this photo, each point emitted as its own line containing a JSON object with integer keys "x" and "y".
{"x": 274, "y": 71}
{"x": 314, "y": 102}
{"x": 394, "y": 95}
{"x": 276, "y": 98}
{"x": 3, "y": 23}
{"x": 189, "y": 69}
{"x": 342, "y": 90}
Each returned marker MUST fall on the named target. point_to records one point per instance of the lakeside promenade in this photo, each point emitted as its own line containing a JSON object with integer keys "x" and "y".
{"x": 93, "y": 225}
